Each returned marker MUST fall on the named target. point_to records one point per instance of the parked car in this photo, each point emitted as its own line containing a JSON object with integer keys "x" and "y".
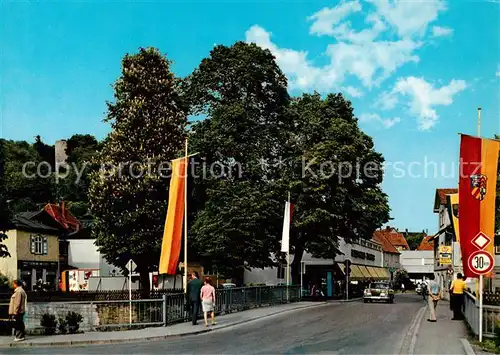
{"x": 228, "y": 285}
{"x": 379, "y": 291}
{"x": 419, "y": 289}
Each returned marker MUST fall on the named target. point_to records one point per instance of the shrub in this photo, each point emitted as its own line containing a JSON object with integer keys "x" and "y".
{"x": 73, "y": 320}
{"x": 49, "y": 323}
{"x": 63, "y": 325}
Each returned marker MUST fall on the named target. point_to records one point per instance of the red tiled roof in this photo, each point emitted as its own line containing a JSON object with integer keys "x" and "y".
{"x": 426, "y": 243}
{"x": 397, "y": 239}
{"x": 380, "y": 237}
{"x": 443, "y": 192}
{"x": 63, "y": 216}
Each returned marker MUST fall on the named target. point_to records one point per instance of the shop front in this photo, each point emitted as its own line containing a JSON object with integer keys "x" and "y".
{"x": 32, "y": 272}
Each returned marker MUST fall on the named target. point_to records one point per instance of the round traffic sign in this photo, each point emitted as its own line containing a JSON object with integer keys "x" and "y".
{"x": 481, "y": 262}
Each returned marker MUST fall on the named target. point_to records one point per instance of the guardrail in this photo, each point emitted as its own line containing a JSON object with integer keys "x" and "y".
{"x": 171, "y": 308}
{"x": 491, "y": 316}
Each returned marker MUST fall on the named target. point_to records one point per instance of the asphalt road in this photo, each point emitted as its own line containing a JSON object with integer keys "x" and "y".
{"x": 348, "y": 328}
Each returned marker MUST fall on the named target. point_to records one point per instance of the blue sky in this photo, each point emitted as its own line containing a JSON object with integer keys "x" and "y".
{"x": 415, "y": 71}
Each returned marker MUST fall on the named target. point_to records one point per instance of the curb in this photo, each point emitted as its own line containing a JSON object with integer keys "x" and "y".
{"x": 153, "y": 338}
{"x": 467, "y": 347}
{"x": 352, "y": 300}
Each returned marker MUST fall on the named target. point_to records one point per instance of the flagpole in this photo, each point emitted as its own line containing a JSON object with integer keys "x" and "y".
{"x": 288, "y": 258}
{"x": 185, "y": 217}
{"x": 481, "y": 285}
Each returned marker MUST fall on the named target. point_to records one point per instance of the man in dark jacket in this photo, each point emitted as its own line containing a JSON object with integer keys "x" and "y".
{"x": 193, "y": 296}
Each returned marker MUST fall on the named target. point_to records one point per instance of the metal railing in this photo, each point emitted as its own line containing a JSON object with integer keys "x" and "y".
{"x": 491, "y": 316}
{"x": 171, "y": 308}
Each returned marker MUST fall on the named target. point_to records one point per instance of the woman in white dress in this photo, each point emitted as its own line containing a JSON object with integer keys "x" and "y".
{"x": 208, "y": 300}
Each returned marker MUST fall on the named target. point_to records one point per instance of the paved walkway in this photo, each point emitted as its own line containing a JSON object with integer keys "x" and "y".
{"x": 443, "y": 337}
{"x": 156, "y": 333}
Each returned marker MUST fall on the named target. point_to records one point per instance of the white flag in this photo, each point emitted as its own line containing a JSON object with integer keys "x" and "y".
{"x": 285, "y": 239}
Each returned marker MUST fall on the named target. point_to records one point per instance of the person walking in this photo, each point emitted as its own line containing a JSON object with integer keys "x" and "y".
{"x": 434, "y": 295}
{"x": 207, "y": 295}
{"x": 17, "y": 308}
{"x": 193, "y": 295}
{"x": 457, "y": 294}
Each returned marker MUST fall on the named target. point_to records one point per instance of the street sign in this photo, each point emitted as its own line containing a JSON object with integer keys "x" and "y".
{"x": 481, "y": 240}
{"x": 481, "y": 262}
{"x": 131, "y": 266}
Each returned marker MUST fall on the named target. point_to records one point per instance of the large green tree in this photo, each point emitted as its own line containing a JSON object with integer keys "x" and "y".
{"x": 236, "y": 213}
{"x": 334, "y": 175}
{"x": 74, "y": 182}
{"x": 148, "y": 127}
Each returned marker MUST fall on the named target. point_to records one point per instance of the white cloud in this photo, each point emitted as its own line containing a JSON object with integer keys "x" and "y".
{"x": 325, "y": 19}
{"x": 373, "y": 117}
{"x": 438, "y": 31}
{"x": 370, "y": 62}
{"x": 424, "y": 97}
{"x": 409, "y": 18}
{"x": 301, "y": 73}
{"x": 387, "y": 101}
{"x": 351, "y": 90}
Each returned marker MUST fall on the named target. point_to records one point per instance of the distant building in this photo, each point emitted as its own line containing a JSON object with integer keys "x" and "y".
{"x": 34, "y": 251}
{"x": 60, "y": 152}
{"x": 447, "y": 255}
{"x": 397, "y": 239}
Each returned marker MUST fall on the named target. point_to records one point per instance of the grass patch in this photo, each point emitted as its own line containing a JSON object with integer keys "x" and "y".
{"x": 487, "y": 345}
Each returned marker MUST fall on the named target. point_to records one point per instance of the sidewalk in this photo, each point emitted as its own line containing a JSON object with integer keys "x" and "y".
{"x": 443, "y": 337}
{"x": 155, "y": 333}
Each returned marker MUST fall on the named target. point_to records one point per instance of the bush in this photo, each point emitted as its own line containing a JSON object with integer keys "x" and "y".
{"x": 73, "y": 320}
{"x": 63, "y": 326}
{"x": 49, "y": 323}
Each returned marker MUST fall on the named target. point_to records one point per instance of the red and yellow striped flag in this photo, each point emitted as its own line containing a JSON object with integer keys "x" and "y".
{"x": 172, "y": 233}
{"x": 477, "y": 192}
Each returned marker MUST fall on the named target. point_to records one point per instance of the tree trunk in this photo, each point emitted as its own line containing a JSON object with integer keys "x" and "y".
{"x": 296, "y": 263}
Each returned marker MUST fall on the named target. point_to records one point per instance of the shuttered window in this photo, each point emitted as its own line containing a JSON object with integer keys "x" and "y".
{"x": 39, "y": 245}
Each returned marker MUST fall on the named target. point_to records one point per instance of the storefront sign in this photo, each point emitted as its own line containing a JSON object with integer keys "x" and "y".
{"x": 445, "y": 255}
{"x": 362, "y": 255}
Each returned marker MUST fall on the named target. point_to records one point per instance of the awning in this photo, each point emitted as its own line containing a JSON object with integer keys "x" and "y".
{"x": 373, "y": 272}
{"x": 365, "y": 272}
{"x": 386, "y": 275}
{"x": 356, "y": 273}
{"x": 380, "y": 273}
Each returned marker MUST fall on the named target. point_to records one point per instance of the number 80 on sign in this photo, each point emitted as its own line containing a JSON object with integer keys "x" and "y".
{"x": 481, "y": 262}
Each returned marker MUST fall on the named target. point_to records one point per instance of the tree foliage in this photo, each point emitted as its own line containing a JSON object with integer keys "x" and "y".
{"x": 4, "y": 209}
{"x": 237, "y": 209}
{"x": 148, "y": 127}
{"x": 334, "y": 174}
{"x": 73, "y": 187}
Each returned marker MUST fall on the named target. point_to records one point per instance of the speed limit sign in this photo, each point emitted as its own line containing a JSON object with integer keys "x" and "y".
{"x": 481, "y": 262}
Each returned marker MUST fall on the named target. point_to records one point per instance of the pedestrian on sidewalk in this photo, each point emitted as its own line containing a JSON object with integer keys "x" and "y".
{"x": 193, "y": 296}
{"x": 457, "y": 295}
{"x": 433, "y": 297}
{"x": 17, "y": 308}
{"x": 208, "y": 300}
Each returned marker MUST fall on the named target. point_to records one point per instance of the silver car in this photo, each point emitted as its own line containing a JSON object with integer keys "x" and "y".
{"x": 379, "y": 291}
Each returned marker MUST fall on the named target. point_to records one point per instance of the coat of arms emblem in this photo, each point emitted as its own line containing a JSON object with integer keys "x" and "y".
{"x": 478, "y": 186}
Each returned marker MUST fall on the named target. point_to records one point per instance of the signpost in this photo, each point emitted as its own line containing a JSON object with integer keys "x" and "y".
{"x": 347, "y": 264}
{"x": 481, "y": 262}
{"x": 131, "y": 266}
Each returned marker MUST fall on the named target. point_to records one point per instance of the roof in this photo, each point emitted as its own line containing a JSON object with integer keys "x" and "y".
{"x": 440, "y": 198}
{"x": 427, "y": 243}
{"x": 23, "y": 221}
{"x": 397, "y": 239}
{"x": 63, "y": 216}
{"x": 381, "y": 237}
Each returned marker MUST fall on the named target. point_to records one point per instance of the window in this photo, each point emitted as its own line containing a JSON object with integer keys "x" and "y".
{"x": 281, "y": 271}
{"x": 39, "y": 245}
{"x": 497, "y": 249}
